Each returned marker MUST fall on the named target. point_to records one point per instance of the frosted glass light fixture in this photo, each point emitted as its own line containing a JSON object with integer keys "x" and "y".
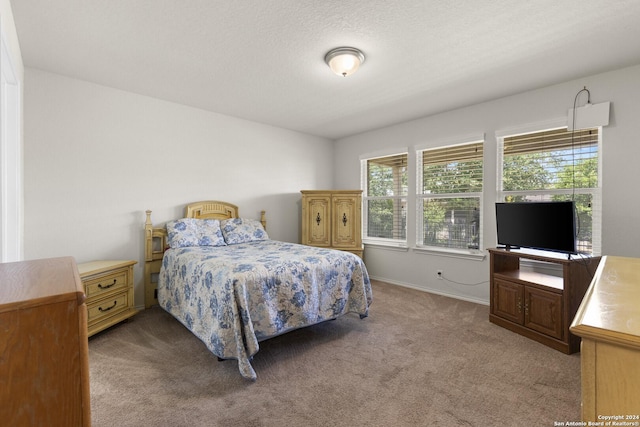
{"x": 344, "y": 61}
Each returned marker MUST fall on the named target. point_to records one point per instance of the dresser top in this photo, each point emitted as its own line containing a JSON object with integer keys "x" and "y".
{"x": 610, "y": 310}
{"x": 30, "y": 283}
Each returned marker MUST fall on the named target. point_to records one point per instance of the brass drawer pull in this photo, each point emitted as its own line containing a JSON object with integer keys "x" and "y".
{"x": 108, "y": 308}
{"x": 107, "y": 286}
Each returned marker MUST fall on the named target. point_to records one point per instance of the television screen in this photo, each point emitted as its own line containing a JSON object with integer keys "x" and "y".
{"x": 547, "y": 226}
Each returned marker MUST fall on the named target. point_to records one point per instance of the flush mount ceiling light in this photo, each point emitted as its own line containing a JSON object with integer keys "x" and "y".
{"x": 344, "y": 61}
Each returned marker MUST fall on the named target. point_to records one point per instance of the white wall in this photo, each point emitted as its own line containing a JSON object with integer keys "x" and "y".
{"x": 621, "y": 149}
{"x": 96, "y": 158}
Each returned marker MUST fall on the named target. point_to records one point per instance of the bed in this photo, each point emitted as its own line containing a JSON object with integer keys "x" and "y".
{"x": 232, "y": 286}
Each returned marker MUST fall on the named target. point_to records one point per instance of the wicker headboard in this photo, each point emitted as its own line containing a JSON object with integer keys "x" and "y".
{"x": 211, "y": 210}
{"x": 155, "y": 240}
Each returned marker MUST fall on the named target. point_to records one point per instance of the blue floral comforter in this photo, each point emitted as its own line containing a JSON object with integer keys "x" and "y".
{"x": 232, "y": 297}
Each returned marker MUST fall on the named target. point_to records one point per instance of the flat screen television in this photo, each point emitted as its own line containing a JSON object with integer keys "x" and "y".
{"x": 549, "y": 226}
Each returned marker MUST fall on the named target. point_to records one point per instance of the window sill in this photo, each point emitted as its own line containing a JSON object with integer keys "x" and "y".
{"x": 393, "y": 246}
{"x": 476, "y": 255}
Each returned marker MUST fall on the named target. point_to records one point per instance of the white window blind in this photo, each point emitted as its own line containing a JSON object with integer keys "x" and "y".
{"x": 384, "y": 181}
{"x": 449, "y": 196}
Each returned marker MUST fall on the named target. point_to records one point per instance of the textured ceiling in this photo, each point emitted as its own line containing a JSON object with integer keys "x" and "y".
{"x": 262, "y": 60}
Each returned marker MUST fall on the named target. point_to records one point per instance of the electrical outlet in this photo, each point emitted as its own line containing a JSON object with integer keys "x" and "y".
{"x": 439, "y": 273}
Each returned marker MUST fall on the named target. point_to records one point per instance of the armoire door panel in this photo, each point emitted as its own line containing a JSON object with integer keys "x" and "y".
{"x": 319, "y": 222}
{"x": 344, "y": 220}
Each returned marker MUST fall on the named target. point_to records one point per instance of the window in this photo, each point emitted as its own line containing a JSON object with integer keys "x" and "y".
{"x": 449, "y": 198}
{"x": 555, "y": 165}
{"x": 384, "y": 184}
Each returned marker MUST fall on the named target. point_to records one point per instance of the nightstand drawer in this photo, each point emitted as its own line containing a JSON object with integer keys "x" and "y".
{"x": 107, "y": 307}
{"x": 106, "y": 283}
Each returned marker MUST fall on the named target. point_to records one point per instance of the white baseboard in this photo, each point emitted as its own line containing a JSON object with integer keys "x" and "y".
{"x": 431, "y": 291}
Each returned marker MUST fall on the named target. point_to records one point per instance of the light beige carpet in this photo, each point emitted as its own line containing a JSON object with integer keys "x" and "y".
{"x": 417, "y": 360}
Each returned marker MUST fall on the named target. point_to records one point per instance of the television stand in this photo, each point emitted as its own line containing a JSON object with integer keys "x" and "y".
{"x": 539, "y": 305}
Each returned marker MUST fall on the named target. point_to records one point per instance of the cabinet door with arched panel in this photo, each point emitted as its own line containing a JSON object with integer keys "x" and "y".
{"x": 333, "y": 219}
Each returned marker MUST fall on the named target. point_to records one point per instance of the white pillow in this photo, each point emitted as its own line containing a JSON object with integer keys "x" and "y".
{"x": 242, "y": 230}
{"x": 187, "y": 232}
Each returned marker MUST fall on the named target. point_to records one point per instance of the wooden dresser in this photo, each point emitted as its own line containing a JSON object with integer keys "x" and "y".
{"x": 44, "y": 362}
{"x": 109, "y": 289}
{"x": 608, "y": 321}
{"x": 333, "y": 219}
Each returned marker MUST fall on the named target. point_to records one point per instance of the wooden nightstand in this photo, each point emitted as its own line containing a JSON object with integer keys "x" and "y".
{"x": 108, "y": 286}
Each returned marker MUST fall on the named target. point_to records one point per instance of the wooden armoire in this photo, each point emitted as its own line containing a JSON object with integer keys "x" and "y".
{"x": 333, "y": 219}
